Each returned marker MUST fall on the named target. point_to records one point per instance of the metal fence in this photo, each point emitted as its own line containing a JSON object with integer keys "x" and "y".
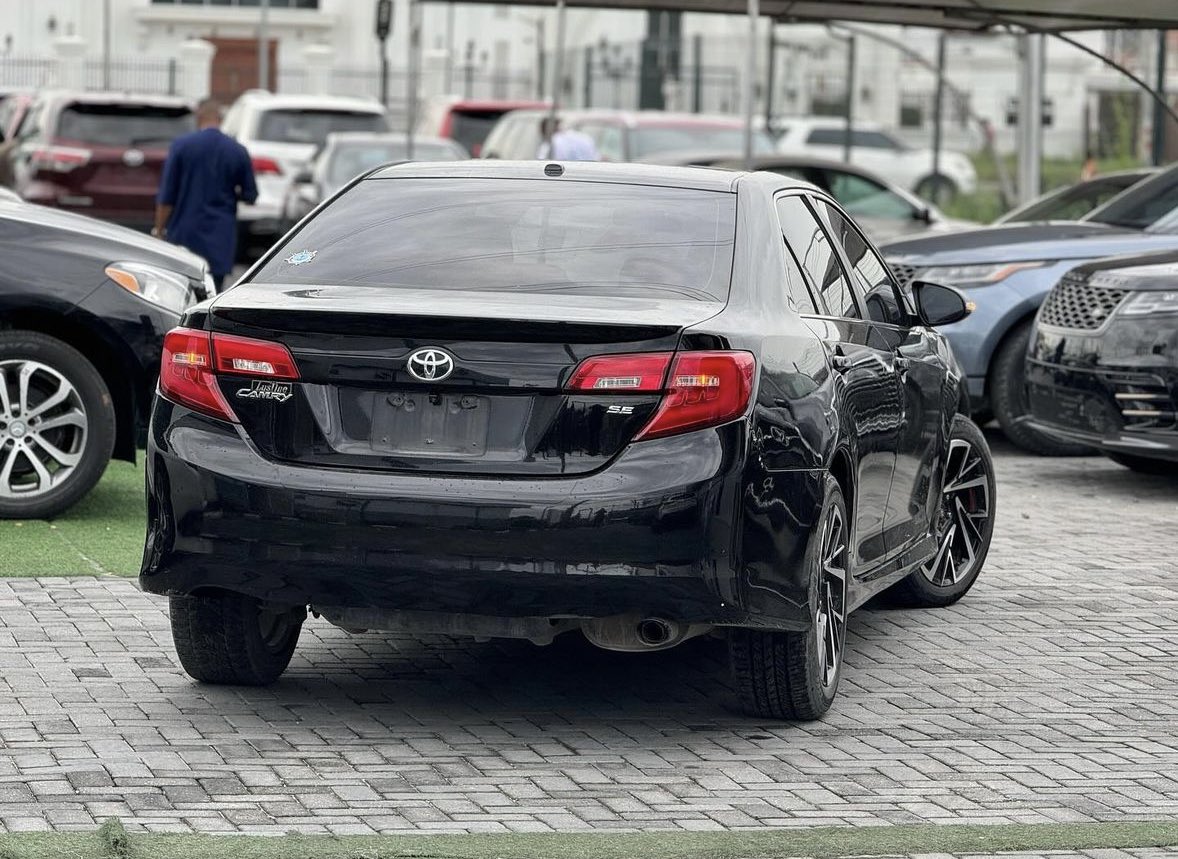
{"x": 155, "y": 76}
{"x": 26, "y": 72}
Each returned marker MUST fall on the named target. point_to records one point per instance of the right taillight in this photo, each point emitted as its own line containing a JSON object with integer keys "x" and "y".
{"x": 264, "y": 166}
{"x": 192, "y": 360}
{"x": 700, "y": 389}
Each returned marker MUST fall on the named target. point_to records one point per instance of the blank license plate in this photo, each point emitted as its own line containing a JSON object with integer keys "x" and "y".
{"x": 425, "y": 424}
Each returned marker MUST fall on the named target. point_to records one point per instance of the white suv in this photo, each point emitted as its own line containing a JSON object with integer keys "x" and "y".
{"x": 282, "y": 133}
{"x": 877, "y": 150}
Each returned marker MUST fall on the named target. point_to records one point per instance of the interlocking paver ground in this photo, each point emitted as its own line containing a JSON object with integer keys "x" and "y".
{"x": 1047, "y": 695}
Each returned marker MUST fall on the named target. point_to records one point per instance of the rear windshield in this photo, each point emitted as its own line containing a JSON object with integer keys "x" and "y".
{"x": 124, "y": 124}
{"x": 1146, "y": 204}
{"x": 313, "y": 126}
{"x": 518, "y": 235}
{"x": 351, "y": 159}
{"x": 470, "y": 128}
{"x": 652, "y": 139}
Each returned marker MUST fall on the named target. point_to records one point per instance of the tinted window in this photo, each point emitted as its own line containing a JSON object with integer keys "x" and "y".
{"x": 864, "y": 198}
{"x": 649, "y": 139}
{"x": 124, "y": 124}
{"x": 813, "y": 251}
{"x": 864, "y": 139}
{"x": 529, "y": 236}
{"x": 1141, "y": 205}
{"x": 351, "y": 159}
{"x": 313, "y": 126}
{"x": 1072, "y": 203}
{"x": 868, "y": 273}
{"x": 470, "y": 128}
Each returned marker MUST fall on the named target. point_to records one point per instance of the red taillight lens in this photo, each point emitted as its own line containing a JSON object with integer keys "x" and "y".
{"x": 705, "y": 389}
{"x": 59, "y": 159}
{"x": 266, "y": 166}
{"x": 621, "y": 374}
{"x": 192, "y": 359}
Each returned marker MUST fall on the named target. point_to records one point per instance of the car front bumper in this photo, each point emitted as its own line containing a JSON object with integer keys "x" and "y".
{"x": 656, "y": 532}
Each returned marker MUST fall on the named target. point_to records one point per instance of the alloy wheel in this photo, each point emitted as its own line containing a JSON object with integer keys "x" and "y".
{"x": 961, "y": 517}
{"x": 831, "y": 621}
{"x": 43, "y": 429}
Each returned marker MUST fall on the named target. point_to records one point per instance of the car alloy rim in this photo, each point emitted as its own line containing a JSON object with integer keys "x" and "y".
{"x": 43, "y": 429}
{"x": 962, "y": 516}
{"x": 831, "y": 621}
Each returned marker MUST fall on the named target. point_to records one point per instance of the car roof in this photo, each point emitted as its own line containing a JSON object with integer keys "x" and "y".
{"x": 386, "y": 137}
{"x": 59, "y": 96}
{"x": 263, "y": 98}
{"x": 699, "y": 178}
{"x": 495, "y": 104}
{"x": 660, "y": 117}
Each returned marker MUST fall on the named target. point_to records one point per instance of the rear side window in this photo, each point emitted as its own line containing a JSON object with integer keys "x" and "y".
{"x": 313, "y": 126}
{"x": 124, "y": 124}
{"x": 470, "y": 128}
{"x": 519, "y": 235}
{"x": 814, "y": 252}
{"x": 868, "y": 272}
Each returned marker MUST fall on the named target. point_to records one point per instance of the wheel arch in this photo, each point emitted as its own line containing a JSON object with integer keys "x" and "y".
{"x": 841, "y": 470}
{"x": 1011, "y": 330}
{"x": 117, "y": 372}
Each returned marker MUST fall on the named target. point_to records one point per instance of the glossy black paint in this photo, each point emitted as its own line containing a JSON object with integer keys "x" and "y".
{"x": 707, "y": 526}
{"x": 1081, "y": 382}
{"x": 52, "y": 280}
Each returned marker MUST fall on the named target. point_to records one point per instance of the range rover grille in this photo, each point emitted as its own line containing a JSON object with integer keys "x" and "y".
{"x": 1077, "y": 305}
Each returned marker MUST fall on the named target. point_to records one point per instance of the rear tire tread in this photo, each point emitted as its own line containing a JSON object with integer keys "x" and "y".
{"x": 219, "y": 641}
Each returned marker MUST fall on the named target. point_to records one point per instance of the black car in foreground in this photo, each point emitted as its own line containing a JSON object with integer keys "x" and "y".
{"x": 1103, "y": 362}
{"x": 518, "y": 399}
{"x": 84, "y": 307}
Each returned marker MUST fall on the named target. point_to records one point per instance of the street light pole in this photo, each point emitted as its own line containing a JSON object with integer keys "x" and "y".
{"x": 264, "y": 46}
{"x": 106, "y": 44}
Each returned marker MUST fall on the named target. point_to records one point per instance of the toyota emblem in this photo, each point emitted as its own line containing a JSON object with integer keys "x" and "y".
{"x": 134, "y": 158}
{"x": 430, "y": 365}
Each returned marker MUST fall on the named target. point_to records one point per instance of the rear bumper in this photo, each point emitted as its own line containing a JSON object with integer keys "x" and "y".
{"x": 657, "y": 532}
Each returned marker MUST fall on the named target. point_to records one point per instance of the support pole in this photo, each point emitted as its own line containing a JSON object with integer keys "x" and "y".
{"x": 697, "y": 73}
{"x": 413, "y": 77}
{"x": 558, "y": 59}
{"x": 770, "y": 75}
{"x": 106, "y": 44}
{"x": 939, "y": 113}
{"x": 264, "y": 46}
{"x": 1030, "y": 117}
{"x": 850, "y": 105}
{"x": 448, "y": 80}
{"x": 750, "y": 75}
{"x": 1160, "y": 120}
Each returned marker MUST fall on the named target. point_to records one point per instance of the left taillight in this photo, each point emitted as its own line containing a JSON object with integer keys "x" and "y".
{"x": 193, "y": 359}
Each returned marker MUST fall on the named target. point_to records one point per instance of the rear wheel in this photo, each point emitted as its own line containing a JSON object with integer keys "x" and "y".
{"x": 1008, "y": 398}
{"x": 234, "y": 639}
{"x": 937, "y": 189}
{"x": 795, "y": 675}
{"x": 963, "y": 523}
{"x": 1145, "y": 465}
{"x": 57, "y": 425}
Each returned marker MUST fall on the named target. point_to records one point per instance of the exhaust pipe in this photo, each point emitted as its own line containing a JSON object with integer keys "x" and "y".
{"x": 636, "y": 633}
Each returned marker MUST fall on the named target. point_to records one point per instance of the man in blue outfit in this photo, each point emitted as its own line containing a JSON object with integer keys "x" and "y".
{"x": 205, "y": 175}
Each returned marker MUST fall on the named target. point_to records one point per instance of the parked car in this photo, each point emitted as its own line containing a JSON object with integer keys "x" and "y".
{"x": 84, "y": 306}
{"x": 625, "y": 135}
{"x": 879, "y": 150}
{"x": 282, "y": 133}
{"x": 97, "y": 154}
{"x": 1103, "y": 364}
{"x": 13, "y": 107}
{"x": 1073, "y": 202}
{"x": 346, "y": 155}
{"x": 647, "y": 403}
{"x": 885, "y": 211}
{"x": 1007, "y": 271}
{"x": 468, "y": 121}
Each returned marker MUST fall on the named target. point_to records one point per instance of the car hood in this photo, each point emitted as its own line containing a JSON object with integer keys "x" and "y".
{"x": 1053, "y": 240}
{"x": 105, "y": 240}
{"x": 1155, "y": 272}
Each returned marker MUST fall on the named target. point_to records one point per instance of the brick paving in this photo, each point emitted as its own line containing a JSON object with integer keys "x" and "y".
{"x": 1047, "y": 695}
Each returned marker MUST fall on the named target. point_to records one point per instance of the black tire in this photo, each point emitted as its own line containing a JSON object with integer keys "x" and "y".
{"x": 937, "y": 189}
{"x": 230, "y": 639}
{"x": 94, "y": 442}
{"x": 928, "y": 586}
{"x": 1008, "y": 398}
{"x": 1145, "y": 465}
{"x": 783, "y": 675}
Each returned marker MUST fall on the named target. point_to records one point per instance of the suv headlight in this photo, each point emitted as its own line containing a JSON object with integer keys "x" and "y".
{"x": 163, "y": 288}
{"x": 985, "y": 274}
{"x": 1147, "y": 303}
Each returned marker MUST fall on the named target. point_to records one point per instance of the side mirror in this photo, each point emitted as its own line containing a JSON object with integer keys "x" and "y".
{"x": 940, "y": 305}
{"x": 303, "y": 177}
{"x": 923, "y": 214}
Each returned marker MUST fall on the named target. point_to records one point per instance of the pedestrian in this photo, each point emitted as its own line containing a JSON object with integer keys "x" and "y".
{"x": 1088, "y": 170}
{"x": 206, "y": 174}
{"x": 562, "y": 144}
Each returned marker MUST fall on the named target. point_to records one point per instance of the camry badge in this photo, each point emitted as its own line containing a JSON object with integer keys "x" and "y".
{"x": 301, "y": 257}
{"x": 264, "y": 390}
{"x": 430, "y": 365}
{"x": 134, "y": 158}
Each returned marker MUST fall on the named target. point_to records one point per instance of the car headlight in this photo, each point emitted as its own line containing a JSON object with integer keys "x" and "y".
{"x": 163, "y": 288}
{"x": 985, "y": 274}
{"x": 1147, "y": 303}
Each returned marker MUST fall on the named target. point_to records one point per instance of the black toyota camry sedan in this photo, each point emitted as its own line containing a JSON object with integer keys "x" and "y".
{"x": 519, "y": 399}
{"x": 1103, "y": 362}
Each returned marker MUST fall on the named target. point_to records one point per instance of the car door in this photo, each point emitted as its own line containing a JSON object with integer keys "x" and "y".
{"x": 865, "y": 378}
{"x": 921, "y": 371}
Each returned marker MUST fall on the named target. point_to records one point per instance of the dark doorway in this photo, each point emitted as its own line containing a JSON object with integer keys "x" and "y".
{"x": 235, "y": 67}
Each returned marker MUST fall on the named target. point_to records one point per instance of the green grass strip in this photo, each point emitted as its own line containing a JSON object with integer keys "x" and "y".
{"x": 112, "y": 842}
{"x": 101, "y": 535}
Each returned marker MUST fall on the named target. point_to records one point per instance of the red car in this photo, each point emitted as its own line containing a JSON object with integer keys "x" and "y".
{"x": 469, "y": 121}
{"x": 98, "y": 154}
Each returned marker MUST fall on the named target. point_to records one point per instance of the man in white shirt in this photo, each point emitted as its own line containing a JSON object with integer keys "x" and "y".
{"x": 561, "y": 144}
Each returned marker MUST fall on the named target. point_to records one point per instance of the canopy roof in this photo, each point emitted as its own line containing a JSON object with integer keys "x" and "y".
{"x": 1045, "y": 15}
